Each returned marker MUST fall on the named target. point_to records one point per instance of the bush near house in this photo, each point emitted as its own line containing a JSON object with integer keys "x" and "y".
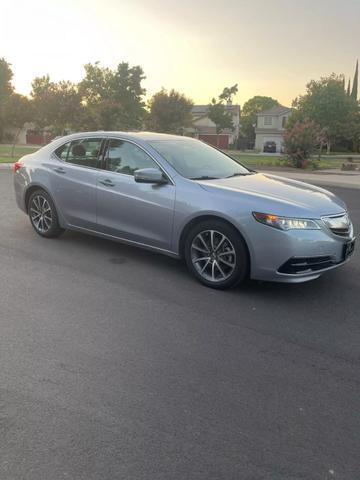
{"x": 301, "y": 140}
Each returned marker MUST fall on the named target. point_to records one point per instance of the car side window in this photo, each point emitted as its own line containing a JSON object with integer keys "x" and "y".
{"x": 84, "y": 152}
{"x": 62, "y": 152}
{"x": 125, "y": 157}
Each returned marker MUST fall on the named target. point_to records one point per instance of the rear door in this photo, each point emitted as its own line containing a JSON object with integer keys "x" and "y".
{"x": 138, "y": 212}
{"x": 74, "y": 172}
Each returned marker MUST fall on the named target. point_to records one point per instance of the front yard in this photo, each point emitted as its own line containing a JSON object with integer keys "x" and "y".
{"x": 20, "y": 150}
{"x": 272, "y": 160}
{"x": 248, "y": 159}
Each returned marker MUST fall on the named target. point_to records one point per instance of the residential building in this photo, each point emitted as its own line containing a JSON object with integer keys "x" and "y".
{"x": 204, "y": 129}
{"x": 270, "y": 126}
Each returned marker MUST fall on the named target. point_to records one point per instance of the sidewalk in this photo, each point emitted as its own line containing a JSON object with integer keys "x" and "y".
{"x": 5, "y": 166}
{"x": 334, "y": 177}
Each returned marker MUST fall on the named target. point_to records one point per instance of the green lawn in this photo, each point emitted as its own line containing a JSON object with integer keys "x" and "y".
{"x": 259, "y": 160}
{"x": 250, "y": 160}
{"x": 5, "y": 152}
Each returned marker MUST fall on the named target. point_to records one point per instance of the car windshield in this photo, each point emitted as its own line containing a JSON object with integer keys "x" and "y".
{"x": 196, "y": 160}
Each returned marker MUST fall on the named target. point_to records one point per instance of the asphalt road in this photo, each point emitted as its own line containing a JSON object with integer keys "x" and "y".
{"x": 115, "y": 364}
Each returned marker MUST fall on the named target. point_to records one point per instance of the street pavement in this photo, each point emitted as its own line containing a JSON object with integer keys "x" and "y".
{"x": 116, "y": 364}
{"x": 324, "y": 178}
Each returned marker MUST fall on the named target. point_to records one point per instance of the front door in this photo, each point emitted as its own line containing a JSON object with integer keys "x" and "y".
{"x": 138, "y": 212}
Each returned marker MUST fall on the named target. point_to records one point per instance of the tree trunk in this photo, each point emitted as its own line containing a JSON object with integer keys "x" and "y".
{"x": 328, "y": 147}
{"x": 320, "y": 150}
{"x": 14, "y": 142}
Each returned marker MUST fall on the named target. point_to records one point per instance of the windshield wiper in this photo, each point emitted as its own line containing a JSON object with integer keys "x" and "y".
{"x": 204, "y": 177}
{"x": 238, "y": 174}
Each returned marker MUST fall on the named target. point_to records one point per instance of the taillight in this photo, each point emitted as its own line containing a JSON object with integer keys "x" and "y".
{"x": 17, "y": 166}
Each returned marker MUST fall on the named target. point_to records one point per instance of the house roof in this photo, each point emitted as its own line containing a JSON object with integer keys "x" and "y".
{"x": 276, "y": 110}
{"x": 203, "y": 109}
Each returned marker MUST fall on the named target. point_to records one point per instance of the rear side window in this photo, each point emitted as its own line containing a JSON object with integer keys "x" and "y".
{"x": 84, "y": 152}
{"x": 62, "y": 151}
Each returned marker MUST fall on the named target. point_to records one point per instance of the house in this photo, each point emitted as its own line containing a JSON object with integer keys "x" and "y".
{"x": 270, "y": 125}
{"x": 28, "y": 135}
{"x": 204, "y": 129}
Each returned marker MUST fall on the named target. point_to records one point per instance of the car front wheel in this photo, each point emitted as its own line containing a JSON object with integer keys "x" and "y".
{"x": 216, "y": 254}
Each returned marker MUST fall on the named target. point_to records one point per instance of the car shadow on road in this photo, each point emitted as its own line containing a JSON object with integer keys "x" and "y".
{"x": 166, "y": 269}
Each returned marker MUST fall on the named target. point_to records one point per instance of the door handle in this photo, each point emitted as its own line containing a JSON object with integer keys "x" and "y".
{"x": 107, "y": 183}
{"x": 59, "y": 170}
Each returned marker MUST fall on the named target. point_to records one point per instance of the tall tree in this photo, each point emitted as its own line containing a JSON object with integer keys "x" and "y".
{"x": 354, "y": 91}
{"x": 348, "y": 88}
{"x": 327, "y": 104}
{"x": 113, "y": 99}
{"x": 169, "y": 112}
{"x": 6, "y": 90}
{"x": 228, "y": 93}
{"x": 250, "y": 108}
{"x": 18, "y": 111}
{"x": 220, "y": 116}
{"x": 56, "y": 105}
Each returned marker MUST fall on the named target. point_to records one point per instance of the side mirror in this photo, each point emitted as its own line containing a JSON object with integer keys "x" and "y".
{"x": 149, "y": 175}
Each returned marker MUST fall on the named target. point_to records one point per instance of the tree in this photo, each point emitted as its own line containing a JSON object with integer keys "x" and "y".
{"x": 220, "y": 116}
{"x": 6, "y": 90}
{"x": 250, "y": 108}
{"x": 218, "y": 112}
{"x": 354, "y": 90}
{"x": 56, "y": 105}
{"x": 113, "y": 99}
{"x": 228, "y": 93}
{"x": 18, "y": 111}
{"x": 300, "y": 141}
{"x": 169, "y": 112}
{"x": 348, "y": 89}
{"x": 328, "y": 105}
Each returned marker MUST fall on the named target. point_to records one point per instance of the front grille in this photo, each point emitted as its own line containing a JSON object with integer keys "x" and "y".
{"x": 297, "y": 265}
{"x": 339, "y": 225}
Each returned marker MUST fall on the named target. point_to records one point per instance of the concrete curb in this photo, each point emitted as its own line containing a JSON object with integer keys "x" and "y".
{"x": 5, "y": 166}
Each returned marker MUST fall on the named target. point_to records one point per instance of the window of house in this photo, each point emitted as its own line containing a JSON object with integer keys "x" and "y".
{"x": 267, "y": 120}
{"x": 284, "y": 121}
{"x": 125, "y": 157}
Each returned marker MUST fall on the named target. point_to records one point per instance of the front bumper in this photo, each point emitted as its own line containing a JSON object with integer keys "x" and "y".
{"x": 295, "y": 256}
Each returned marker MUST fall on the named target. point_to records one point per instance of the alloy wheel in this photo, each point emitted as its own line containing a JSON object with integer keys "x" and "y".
{"x": 41, "y": 214}
{"x": 213, "y": 255}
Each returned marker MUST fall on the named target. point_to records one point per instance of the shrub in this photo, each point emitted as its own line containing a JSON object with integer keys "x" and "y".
{"x": 300, "y": 141}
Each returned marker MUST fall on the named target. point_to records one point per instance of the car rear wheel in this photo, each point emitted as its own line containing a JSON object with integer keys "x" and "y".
{"x": 43, "y": 215}
{"x": 216, "y": 254}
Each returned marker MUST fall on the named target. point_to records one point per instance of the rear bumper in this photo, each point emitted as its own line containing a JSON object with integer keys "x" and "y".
{"x": 295, "y": 256}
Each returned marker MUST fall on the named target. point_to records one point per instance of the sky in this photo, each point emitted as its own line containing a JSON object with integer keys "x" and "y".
{"x": 267, "y": 47}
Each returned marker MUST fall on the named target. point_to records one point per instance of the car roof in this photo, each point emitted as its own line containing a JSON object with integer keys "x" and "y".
{"x": 144, "y": 136}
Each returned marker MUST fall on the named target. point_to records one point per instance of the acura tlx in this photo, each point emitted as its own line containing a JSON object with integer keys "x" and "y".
{"x": 181, "y": 197}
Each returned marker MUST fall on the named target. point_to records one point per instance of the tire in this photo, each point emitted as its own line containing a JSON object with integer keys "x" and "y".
{"x": 216, "y": 254}
{"x": 43, "y": 215}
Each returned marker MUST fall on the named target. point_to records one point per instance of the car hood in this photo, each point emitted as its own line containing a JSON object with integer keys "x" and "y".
{"x": 283, "y": 194}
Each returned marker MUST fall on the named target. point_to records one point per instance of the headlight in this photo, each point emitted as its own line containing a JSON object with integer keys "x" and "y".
{"x": 285, "y": 223}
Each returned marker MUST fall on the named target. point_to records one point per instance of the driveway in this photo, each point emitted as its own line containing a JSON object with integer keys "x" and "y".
{"x": 116, "y": 364}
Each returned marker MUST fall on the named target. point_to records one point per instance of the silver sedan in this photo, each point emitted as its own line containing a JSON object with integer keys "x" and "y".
{"x": 183, "y": 198}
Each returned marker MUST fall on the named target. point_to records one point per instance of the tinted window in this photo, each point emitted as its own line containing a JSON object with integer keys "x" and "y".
{"x": 194, "y": 159}
{"x": 62, "y": 151}
{"x": 125, "y": 157}
{"x": 84, "y": 152}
